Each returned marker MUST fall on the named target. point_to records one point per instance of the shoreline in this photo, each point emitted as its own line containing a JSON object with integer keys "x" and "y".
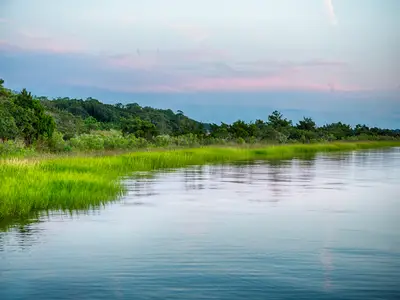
{"x": 64, "y": 183}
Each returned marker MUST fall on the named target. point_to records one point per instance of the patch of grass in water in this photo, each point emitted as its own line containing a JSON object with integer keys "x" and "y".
{"x": 82, "y": 183}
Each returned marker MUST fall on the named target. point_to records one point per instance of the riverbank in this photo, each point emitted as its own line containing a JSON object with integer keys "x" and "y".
{"x": 82, "y": 182}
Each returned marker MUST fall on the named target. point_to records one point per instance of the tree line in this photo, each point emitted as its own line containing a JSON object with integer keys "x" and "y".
{"x": 39, "y": 120}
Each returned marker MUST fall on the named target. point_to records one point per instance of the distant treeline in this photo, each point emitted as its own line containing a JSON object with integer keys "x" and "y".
{"x": 64, "y": 124}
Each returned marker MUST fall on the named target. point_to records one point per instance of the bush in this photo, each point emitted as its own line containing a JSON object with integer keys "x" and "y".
{"x": 114, "y": 140}
{"x": 252, "y": 140}
{"x": 57, "y": 143}
{"x": 14, "y": 147}
{"x": 163, "y": 141}
{"x": 188, "y": 140}
{"x": 137, "y": 143}
{"x": 281, "y": 138}
{"x": 240, "y": 141}
{"x": 87, "y": 142}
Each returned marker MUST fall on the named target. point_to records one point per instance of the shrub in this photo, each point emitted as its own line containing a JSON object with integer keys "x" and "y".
{"x": 87, "y": 142}
{"x": 187, "y": 140}
{"x": 162, "y": 141}
{"x": 114, "y": 140}
{"x": 240, "y": 141}
{"x": 57, "y": 143}
{"x": 14, "y": 147}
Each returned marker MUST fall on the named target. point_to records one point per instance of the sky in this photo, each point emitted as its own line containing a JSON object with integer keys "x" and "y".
{"x": 217, "y": 60}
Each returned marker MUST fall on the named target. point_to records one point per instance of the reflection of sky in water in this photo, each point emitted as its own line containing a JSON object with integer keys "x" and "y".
{"x": 326, "y": 227}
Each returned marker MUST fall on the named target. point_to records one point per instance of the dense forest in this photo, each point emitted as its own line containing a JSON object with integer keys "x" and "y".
{"x": 35, "y": 123}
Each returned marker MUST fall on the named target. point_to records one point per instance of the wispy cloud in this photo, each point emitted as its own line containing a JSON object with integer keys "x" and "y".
{"x": 200, "y": 68}
{"x": 286, "y": 80}
{"x": 224, "y": 78}
{"x": 331, "y": 11}
{"x": 194, "y": 33}
{"x": 189, "y": 59}
{"x": 6, "y": 46}
{"x": 39, "y": 41}
{"x": 2, "y": 20}
{"x": 116, "y": 15}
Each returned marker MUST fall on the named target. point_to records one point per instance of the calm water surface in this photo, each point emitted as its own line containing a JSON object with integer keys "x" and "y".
{"x": 328, "y": 228}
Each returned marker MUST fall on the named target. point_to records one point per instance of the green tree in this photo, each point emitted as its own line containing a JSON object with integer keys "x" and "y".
{"x": 31, "y": 119}
{"x": 306, "y": 124}
{"x": 6, "y": 93}
{"x": 8, "y": 128}
{"x": 139, "y": 128}
{"x": 338, "y": 130}
{"x": 92, "y": 124}
{"x": 361, "y": 129}
{"x": 220, "y": 132}
{"x": 277, "y": 121}
{"x": 239, "y": 129}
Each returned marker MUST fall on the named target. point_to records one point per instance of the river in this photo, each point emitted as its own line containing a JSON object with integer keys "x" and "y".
{"x": 325, "y": 228}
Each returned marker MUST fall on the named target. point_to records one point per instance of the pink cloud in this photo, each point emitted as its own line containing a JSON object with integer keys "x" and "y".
{"x": 283, "y": 82}
{"x": 4, "y": 45}
{"x": 136, "y": 61}
{"x": 304, "y": 64}
{"x": 53, "y": 47}
{"x": 147, "y": 60}
{"x": 313, "y": 75}
{"x": 118, "y": 87}
{"x": 279, "y": 82}
{"x": 2, "y": 20}
{"x": 36, "y": 41}
{"x": 197, "y": 69}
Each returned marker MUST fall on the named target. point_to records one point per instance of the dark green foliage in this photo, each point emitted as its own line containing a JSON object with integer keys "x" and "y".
{"x": 306, "y": 124}
{"x": 276, "y": 120}
{"x": 31, "y": 118}
{"x": 139, "y": 128}
{"x": 92, "y": 124}
{"x": 338, "y": 130}
{"x": 240, "y": 129}
{"x": 23, "y": 116}
{"x": 220, "y": 132}
{"x": 65, "y": 124}
{"x": 109, "y": 116}
{"x": 8, "y": 128}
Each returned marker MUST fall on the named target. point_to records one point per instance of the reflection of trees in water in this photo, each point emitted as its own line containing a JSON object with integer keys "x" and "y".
{"x": 209, "y": 177}
{"x": 362, "y": 158}
{"x": 278, "y": 178}
{"x": 339, "y": 159}
{"x": 279, "y": 175}
{"x": 21, "y": 236}
{"x": 377, "y": 157}
{"x": 283, "y": 177}
{"x": 286, "y": 178}
{"x": 26, "y": 236}
{"x": 306, "y": 172}
{"x": 141, "y": 185}
{"x": 241, "y": 173}
{"x": 193, "y": 178}
{"x": 8, "y": 224}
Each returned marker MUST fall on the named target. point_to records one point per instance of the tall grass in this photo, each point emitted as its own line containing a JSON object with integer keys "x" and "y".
{"x": 80, "y": 183}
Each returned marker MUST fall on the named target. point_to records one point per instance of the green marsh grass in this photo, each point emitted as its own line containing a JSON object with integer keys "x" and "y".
{"x": 29, "y": 186}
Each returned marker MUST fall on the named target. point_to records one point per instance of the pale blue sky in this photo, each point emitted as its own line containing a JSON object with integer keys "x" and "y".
{"x": 347, "y": 47}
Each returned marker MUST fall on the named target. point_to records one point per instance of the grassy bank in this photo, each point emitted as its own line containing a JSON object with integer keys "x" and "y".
{"x": 72, "y": 183}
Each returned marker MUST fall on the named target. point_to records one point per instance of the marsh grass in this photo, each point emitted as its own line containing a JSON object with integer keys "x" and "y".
{"x": 33, "y": 185}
